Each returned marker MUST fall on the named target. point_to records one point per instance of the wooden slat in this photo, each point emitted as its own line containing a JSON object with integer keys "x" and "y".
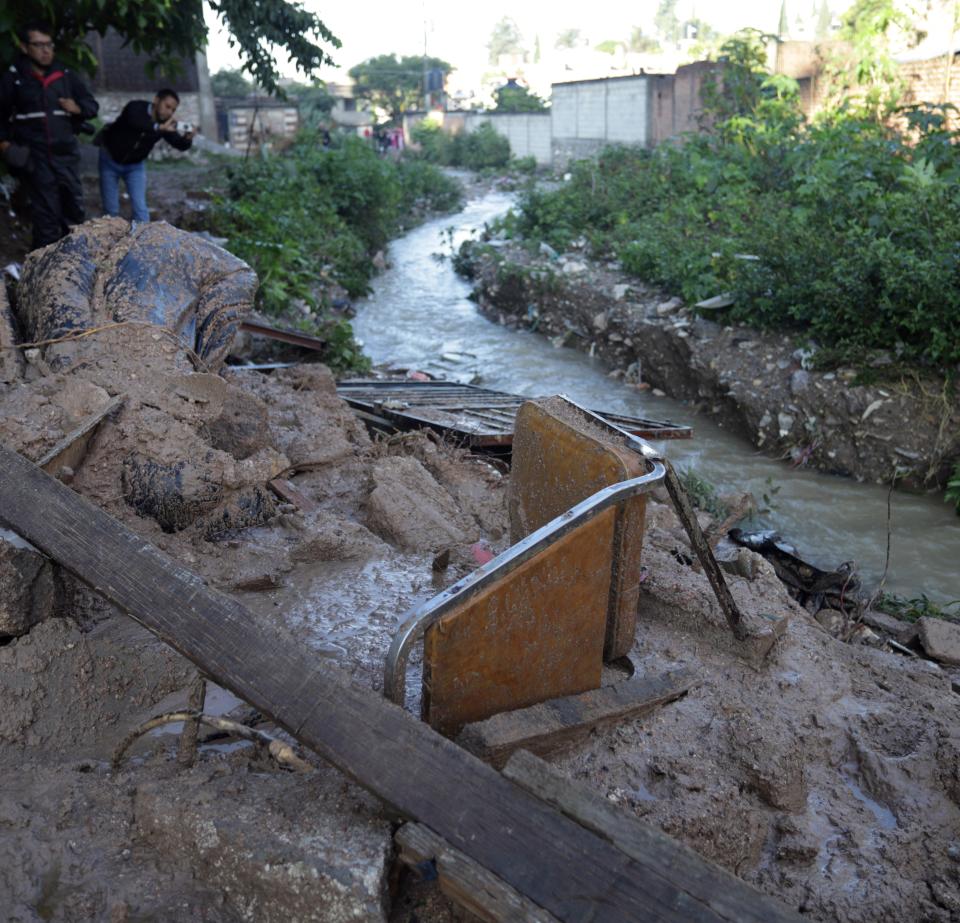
{"x": 572, "y": 873}
{"x": 707, "y": 886}
{"x": 558, "y": 724}
{"x": 465, "y": 882}
{"x": 70, "y": 451}
{"x": 445, "y": 405}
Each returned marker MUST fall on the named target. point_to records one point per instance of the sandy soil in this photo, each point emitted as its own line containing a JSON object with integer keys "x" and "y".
{"x": 829, "y": 776}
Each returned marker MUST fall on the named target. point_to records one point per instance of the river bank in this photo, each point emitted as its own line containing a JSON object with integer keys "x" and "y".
{"x": 759, "y": 385}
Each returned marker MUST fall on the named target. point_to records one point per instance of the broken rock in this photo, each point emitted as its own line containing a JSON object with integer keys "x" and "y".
{"x": 940, "y": 639}
{"x": 26, "y": 585}
{"x": 410, "y": 509}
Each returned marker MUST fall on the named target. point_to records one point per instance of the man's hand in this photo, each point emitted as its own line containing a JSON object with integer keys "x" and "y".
{"x": 68, "y": 105}
{"x": 3, "y": 146}
{"x": 169, "y": 125}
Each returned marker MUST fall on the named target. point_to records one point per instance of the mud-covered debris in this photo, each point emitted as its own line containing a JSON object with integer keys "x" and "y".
{"x": 108, "y": 271}
{"x": 26, "y": 586}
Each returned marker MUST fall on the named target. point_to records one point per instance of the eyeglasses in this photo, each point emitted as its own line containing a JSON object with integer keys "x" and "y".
{"x": 41, "y": 45}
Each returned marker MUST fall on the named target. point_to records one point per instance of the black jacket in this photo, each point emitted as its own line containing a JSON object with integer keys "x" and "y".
{"x": 30, "y": 112}
{"x": 132, "y": 136}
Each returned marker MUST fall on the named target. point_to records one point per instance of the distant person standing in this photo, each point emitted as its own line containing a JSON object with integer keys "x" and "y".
{"x": 125, "y": 144}
{"x": 42, "y": 107}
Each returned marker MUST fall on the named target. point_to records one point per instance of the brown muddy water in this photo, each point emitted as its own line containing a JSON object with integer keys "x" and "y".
{"x": 420, "y": 315}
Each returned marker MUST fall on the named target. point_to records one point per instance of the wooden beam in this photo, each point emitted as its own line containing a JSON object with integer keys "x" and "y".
{"x": 558, "y": 724}
{"x": 464, "y": 881}
{"x": 552, "y": 860}
{"x": 715, "y": 890}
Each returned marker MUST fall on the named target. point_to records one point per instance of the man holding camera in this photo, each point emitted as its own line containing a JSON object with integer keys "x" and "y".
{"x": 125, "y": 144}
{"x": 42, "y": 107}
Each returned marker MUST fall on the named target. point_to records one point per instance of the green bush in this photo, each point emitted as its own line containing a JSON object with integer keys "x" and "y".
{"x": 852, "y": 227}
{"x": 313, "y": 216}
{"x": 481, "y": 149}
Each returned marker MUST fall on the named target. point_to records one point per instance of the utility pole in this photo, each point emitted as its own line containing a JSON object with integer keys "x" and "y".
{"x": 426, "y": 92}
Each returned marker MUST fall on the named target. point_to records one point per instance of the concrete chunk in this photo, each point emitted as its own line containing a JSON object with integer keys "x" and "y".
{"x": 940, "y": 639}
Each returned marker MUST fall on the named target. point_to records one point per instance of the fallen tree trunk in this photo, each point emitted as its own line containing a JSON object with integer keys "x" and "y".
{"x": 547, "y": 857}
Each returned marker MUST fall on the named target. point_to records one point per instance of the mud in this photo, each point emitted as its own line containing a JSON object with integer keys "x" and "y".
{"x": 829, "y": 776}
{"x": 757, "y": 384}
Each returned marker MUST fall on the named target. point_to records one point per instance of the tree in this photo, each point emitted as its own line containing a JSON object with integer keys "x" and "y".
{"x": 610, "y": 46}
{"x": 505, "y": 39}
{"x": 314, "y": 100}
{"x": 783, "y": 26}
{"x": 824, "y": 21}
{"x": 666, "y": 22}
{"x": 514, "y": 98}
{"x": 642, "y": 43}
{"x": 168, "y": 30}
{"x": 569, "y": 38}
{"x": 230, "y": 82}
{"x": 395, "y": 84}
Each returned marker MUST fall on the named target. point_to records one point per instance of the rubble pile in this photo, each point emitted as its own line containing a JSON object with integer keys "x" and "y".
{"x": 829, "y": 776}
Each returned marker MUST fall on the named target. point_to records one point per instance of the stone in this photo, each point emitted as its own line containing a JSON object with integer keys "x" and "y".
{"x": 831, "y": 620}
{"x": 574, "y": 267}
{"x": 799, "y": 381}
{"x": 785, "y": 422}
{"x": 940, "y": 639}
{"x": 26, "y": 585}
{"x": 668, "y": 307}
{"x": 620, "y": 291}
{"x": 547, "y": 251}
{"x": 311, "y": 847}
{"x": 408, "y": 508}
{"x": 600, "y": 321}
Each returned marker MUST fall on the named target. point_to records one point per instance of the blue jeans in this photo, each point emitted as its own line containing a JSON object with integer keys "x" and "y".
{"x": 134, "y": 175}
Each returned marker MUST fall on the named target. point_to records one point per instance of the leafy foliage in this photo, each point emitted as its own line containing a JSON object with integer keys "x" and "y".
{"x": 395, "y": 84}
{"x": 850, "y": 227}
{"x": 230, "y": 82}
{"x": 481, "y": 149}
{"x": 505, "y": 39}
{"x": 313, "y": 217}
{"x": 516, "y": 98}
{"x": 953, "y": 488}
{"x": 167, "y": 30}
{"x": 917, "y": 607}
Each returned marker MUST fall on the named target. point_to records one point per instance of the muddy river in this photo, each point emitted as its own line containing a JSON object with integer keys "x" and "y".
{"x": 419, "y": 315}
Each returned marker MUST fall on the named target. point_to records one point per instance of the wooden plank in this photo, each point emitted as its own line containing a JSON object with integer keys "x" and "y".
{"x": 464, "y": 881}
{"x": 554, "y": 726}
{"x": 70, "y": 451}
{"x": 572, "y": 873}
{"x": 713, "y": 889}
{"x": 534, "y": 635}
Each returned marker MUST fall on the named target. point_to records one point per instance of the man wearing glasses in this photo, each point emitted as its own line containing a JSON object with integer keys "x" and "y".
{"x": 40, "y": 104}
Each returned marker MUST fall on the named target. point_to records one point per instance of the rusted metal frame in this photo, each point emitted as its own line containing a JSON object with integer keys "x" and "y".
{"x": 284, "y": 336}
{"x": 422, "y": 617}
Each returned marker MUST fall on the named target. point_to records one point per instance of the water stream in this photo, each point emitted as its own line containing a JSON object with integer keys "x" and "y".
{"x": 419, "y": 315}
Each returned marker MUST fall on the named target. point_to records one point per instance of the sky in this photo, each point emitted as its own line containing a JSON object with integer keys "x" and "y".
{"x": 458, "y": 32}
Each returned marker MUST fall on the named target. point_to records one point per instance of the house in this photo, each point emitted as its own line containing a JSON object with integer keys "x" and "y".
{"x": 123, "y": 74}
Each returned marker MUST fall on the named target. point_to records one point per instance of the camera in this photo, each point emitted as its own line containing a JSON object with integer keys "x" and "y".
{"x": 184, "y": 127}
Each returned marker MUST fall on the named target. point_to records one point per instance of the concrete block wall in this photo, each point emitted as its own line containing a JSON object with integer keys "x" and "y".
{"x": 587, "y": 115}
